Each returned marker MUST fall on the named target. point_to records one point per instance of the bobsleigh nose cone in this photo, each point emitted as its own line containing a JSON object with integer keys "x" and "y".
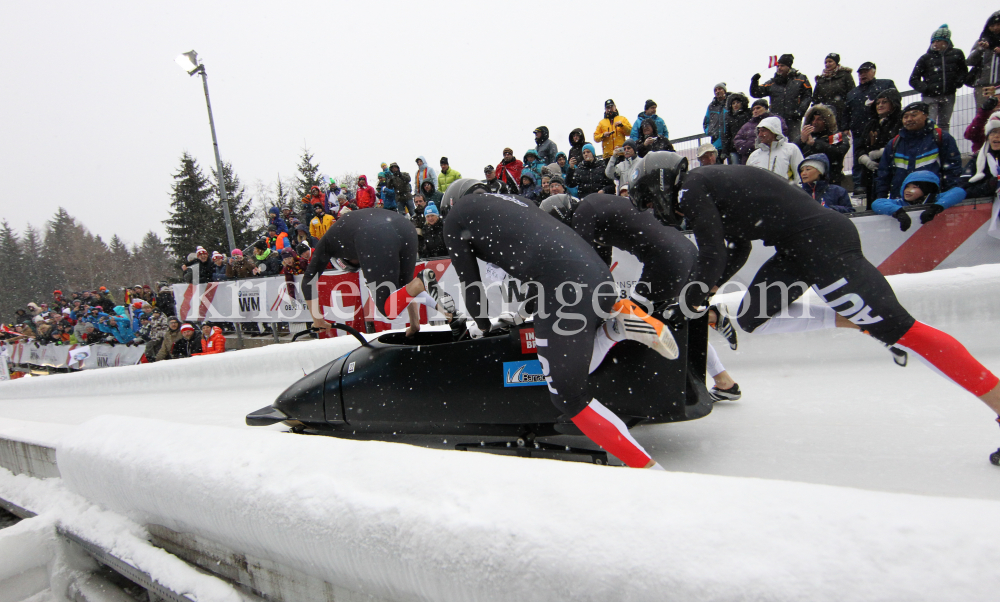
{"x": 303, "y": 400}
{"x": 266, "y": 416}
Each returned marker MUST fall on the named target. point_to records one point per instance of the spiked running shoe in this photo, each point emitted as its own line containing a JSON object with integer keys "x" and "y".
{"x": 446, "y": 304}
{"x": 724, "y": 326}
{"x": 636, "y": 325}
{"x": 731, "y": 394}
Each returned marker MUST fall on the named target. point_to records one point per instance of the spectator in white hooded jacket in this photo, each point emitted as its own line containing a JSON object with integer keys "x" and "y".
{"x": 619, "y": 171}
{"x": 775, "y": 153}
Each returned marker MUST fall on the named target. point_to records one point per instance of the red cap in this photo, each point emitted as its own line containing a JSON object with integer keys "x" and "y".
{"x": 187, "y": 327}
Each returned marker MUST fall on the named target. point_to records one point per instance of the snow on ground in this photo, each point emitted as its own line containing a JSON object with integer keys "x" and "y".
{"x": 406, "y": 523}
{"x": 31, "y": 557}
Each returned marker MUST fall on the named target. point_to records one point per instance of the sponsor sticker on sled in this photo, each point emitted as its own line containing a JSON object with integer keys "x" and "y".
{"x": 526, "y": 373}
{"x": 528, "y": 341}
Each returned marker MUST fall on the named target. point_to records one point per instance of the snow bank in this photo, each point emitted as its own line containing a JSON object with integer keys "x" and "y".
{"x": 409, "y": 523}
{"x": 250, "y": 368}
{"x": 26, "y": 547}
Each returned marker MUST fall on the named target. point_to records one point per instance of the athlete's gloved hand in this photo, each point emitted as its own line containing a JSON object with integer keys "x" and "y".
{"x": 929, "y": 213}
{"x": 510, "y": 318}
{"x": 904, "y": 220}
{"x": 474, "y": 330}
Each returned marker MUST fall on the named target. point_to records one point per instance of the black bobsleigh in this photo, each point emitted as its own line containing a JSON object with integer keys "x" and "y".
{"x": 492, "y": 386}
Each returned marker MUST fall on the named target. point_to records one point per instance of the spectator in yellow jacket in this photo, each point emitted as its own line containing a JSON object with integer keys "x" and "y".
{"x": 320, "y": 222}
{"x": 447, "y": 175}
{"x": 613, "y": 130}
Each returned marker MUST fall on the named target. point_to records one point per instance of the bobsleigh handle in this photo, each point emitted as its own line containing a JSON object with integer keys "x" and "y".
{"x": 348, "y": 329}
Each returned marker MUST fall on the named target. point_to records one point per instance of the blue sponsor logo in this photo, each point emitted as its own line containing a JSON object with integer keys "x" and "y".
{"x": 526, "y": 373}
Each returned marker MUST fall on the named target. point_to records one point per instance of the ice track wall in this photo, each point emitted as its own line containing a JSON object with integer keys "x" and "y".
{"x": 408, "y": 523}
{"x": 271, "y": 366}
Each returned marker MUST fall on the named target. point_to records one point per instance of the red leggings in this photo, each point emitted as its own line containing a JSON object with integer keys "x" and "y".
{"x": 950, "y": 357}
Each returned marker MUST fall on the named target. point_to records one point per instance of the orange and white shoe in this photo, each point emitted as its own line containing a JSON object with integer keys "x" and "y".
{"x": 634, "y": 324}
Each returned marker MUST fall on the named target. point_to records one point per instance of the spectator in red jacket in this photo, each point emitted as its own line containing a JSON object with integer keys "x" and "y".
{"x": 213, "y": 341}
{"x": 365, "y": 197}
{"x": 509, "y": 170}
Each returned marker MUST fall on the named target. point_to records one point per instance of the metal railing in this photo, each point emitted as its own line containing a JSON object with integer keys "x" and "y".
{"x": 961, "y": 117}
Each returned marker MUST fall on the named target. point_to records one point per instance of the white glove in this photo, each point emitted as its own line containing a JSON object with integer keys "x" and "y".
{"x": 876, "y": 155}
{"x": 867, "y": 162}
{"x": 474, "y": 330}
{"x": 510, "y": 318}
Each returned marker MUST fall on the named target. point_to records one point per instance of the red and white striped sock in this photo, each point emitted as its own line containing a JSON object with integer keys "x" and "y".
{"x": 606, "y": 429}
{"x": 396, "y": 303}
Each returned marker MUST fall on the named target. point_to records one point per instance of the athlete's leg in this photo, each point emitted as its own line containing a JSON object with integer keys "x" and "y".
{"x": 725, "y": 387}
{"x": 857, "y": 291}
{"x": 388, "y": 257}
{"x": 774, "y": 288}
{"x": 564, "y": 339}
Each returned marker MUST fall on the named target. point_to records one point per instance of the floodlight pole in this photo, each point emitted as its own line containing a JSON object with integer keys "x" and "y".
{"x": 222, "y": 180}
{"x": 218, "y": 160}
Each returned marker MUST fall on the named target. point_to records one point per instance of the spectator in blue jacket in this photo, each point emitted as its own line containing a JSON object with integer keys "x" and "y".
{"x": 920, "y": 146}
{"x": 529, "y": 185}
{"x": 532, "y": 162}
{"x": 919, "y": 188}
{"x": 219, "y": 267}
{"x": 649, "y": 113}
{"x": 813, "y": 172}
{"x": 118, "y": 327}
{"x": 274, "y": 217}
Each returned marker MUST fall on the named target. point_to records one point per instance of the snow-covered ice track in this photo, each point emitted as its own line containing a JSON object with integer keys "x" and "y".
{"x": 396, "y": 522}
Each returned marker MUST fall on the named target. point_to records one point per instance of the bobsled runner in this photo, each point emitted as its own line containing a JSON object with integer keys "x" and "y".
{"x": 489, "y": 387}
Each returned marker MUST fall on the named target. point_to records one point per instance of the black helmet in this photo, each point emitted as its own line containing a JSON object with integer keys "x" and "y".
{"x": 460, "y": 188}
{"x": 655, "y": 180}
{"x": 561, "y": 207}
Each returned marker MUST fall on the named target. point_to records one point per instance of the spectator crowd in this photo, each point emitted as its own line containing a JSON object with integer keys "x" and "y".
{"x": 145, "y": 319}
{"x": 799, "y": 130}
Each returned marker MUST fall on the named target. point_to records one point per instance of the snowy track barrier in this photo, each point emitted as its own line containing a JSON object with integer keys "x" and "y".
{"x": 407, "y": 523}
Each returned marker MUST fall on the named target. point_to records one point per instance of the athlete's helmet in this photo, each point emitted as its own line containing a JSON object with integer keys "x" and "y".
{"x": 344, "y": 265}
{"x": 460, "y": 188}
{"x": 561, "y": 207}
{"x": 654, "y": 181}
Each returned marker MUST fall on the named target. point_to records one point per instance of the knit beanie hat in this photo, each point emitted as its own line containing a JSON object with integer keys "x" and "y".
{"x": 786, "y": 59}
{"x": 649, "y": 103}
{"x": 941, "y": 33}
{"x": 431, "y": 209}
{"x": 760, "y": 102}
{"x": 923, "y": 107}
{"x": 590, "y": 147}
{"x": 720, "y": 85}
{"x": 834, "y": 56}
{"x": 817, "y": 165}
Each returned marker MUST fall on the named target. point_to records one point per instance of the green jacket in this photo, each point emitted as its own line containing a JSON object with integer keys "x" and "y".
{"x": 445, "y": 179}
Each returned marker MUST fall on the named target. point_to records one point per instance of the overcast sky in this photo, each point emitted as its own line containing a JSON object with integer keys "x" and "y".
{"x": 96, "y": 113}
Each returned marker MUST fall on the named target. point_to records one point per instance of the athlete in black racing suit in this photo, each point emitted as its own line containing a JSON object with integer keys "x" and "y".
{"x": 384, "y": 245}
{"x": 729, "y": 206}
{"x": 577, "y": 292}
{"x": 608, "y": 220}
